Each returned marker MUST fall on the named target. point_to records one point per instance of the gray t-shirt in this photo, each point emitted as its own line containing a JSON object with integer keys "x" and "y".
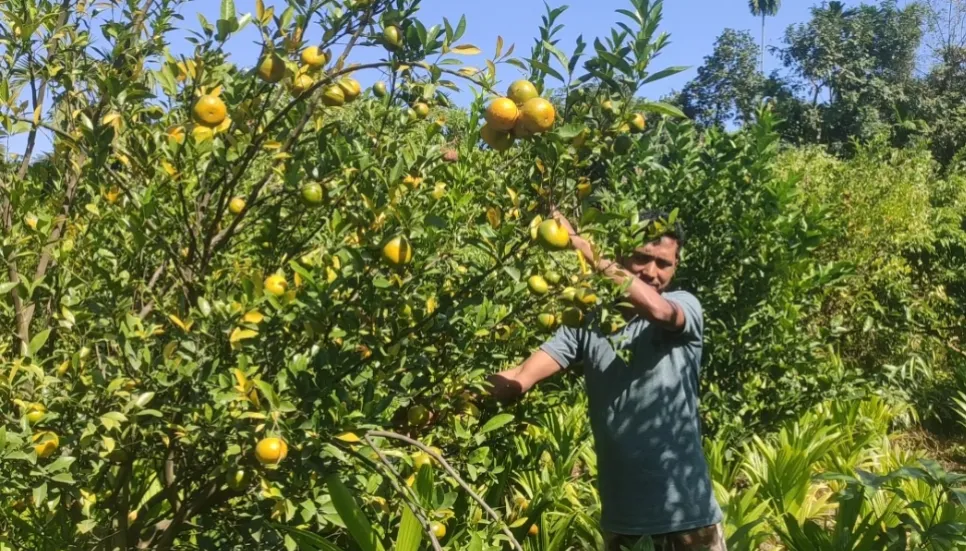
{"x": 652, "y": 474}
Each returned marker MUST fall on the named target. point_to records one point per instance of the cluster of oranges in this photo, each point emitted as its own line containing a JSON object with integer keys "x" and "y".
{"x": 521, "y": 114}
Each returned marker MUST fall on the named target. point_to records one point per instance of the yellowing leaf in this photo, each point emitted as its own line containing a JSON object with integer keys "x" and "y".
{"x": 494, "y": 216}
{"x": 253, "y": 317}
{"x": 169, "y": 168}
{"x": 431, "y": 305}
{"x": 465, "y": 49}
{"x": 240, "y": 334}
{"x": 272, "y": 145}
{"x": 468, "y": 71}
{"x": 185, "y": 326}
{"x": 583, "y": 262}
{"x": 240, "y": 377}
{"x": 259, "y": 9}
{"x": 216, "y": 91}
{"x": 514, "y": 198}
{"x": 349, "y": 437}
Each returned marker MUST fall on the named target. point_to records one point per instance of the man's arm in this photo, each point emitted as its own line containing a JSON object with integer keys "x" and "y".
{"x": 511, "y": 384}
{"x": 644, "y": 298}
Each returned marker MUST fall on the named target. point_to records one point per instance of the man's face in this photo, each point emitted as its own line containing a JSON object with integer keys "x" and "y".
{"x": 655, "y": 263}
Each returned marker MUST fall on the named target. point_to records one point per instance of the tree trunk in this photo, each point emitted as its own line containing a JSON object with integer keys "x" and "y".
{"x": 762, "y": 44}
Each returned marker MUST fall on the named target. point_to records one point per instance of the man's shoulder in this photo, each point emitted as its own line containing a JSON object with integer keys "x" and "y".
{"x": 681, "y": 295}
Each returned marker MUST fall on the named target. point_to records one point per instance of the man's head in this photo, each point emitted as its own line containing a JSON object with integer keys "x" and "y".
{"x": 656, "y": 261}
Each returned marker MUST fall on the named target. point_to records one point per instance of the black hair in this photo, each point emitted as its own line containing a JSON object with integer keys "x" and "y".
{"x": 675, "y": 231}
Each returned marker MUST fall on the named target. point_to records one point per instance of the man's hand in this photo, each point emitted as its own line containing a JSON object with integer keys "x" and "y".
{"x": 503, "y": 387}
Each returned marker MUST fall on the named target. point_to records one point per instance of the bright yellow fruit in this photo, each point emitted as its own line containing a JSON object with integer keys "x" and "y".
{"x": 271, "y": 68}
{"x": 350, "y": 88}
{"x": 35, "y": 412}
{"x": 547, "y": 321}
{"x": 420, "y": 459}
{"x": 522, "y": 91}
{"x": 301, "y": 83}
{"x": 333, "y": 96}
{"x": 585, "y": 298}
{"x": 538, "y": 285}
{"x": 210, "y": 111}
{"x": 236, "y": 205}
{"x": 499, "y": 141}
{"x": 314, "y": 57}
{"x": 438, "y": 528}
{"x": 275, "y": 285}
{"x": 638, "y": 123}
{"x": 397, "y": 251}
{"x": 271, "y": 451}
{"x": 552, "y": 235}
{"x": 538, "y": 115}
{"x": 501, "y": 114}
{"x": 46, "y": 443}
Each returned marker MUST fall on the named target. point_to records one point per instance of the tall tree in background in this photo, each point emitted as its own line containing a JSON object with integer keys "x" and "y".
{"x": 728, "y": 86}
{"x": 763, "y": 9}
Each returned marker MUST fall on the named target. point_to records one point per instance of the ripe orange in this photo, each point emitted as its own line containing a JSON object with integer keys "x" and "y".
{"x": 500, "y": 141}
{"x": 538, "y": 115}
{"x": 175, "y": 133}
{"x": 522, "y": 91}
{"x": 585, "y": 298}
{"x": 333, "y": 96}
{"x": 638, "y": 123}
{"x": 520, "y": 131}
{"x": 236, "y": 205}
{"x": 584, "y": 189}
{"x": 45, "y": 443}
{"x": 271, "y": 450}
{"x": 350, "y": 88}
{"x": 271, "y": 68}
{"x": 538, "y": 285}
{"x": 35, "y": 412}
{"x": 301, "y": 83}
{"x": 534, "y": 530}
{"x": 502, "y": 114}
{"x": 422, "y": 110}
{"x": 397, "y": 251}
{"x": 438, "y": 528}
{"x": 209, "y": 110}
{"x": 552, "y": 235}
{"x": 275, "y": 285}
{"x": 314, "y": 57}
{"x": 547, "y": 321}
{"x": 420, "y": 459}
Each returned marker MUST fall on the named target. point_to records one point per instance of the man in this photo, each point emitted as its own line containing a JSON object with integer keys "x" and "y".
{"x": 653, "y": 477}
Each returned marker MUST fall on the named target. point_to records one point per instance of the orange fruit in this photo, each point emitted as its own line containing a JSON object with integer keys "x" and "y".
{"x": 417, "y": 415}
{"x": 522, "y": 91}
{"x": 552, "y": 235}
{"x": 534, "y": 530}
{"x": 35, "y": 412}
{"x": 209, "y": 110}
{"x": 314, "y": 57}
{"x": 312, "y": 193}
{"x": 379, "y": 89}
{"x": 392, "y": 36}
{"x": 350, "y": 88}
{"x": 538, "y": 115}
{"x": 585, "y": 298}
{"x": 502, "y": 114}
{"x": 397, "y": 251}
{"x": 538, "y": 285}
{"x": 271, "y": 68}
{"x": 333, "y": 96}
{"x": 638, "y": 123}
{"x": 271, "y": 450}
{"x": 275, "y": 285}
{"x": 438, "y": 528}
{"x": 301, "y": 83}
{"x": 547, "y": 321}
{"x": 175, "y": 133}
{"x": 420, "y": 459}
{"x": 500, "y": 141}
{"x": 236, "y": 205}
{"x": 422, "y": 110}
{"x": 46, "y": 443}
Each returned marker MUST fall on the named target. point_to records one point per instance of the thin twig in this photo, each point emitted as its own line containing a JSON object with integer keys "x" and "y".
{"x": 394, "y": 480}
{"x": 452, "y": 472}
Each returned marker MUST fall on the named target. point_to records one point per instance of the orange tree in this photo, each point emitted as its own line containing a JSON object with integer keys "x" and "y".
{"x": 235, "y": 292}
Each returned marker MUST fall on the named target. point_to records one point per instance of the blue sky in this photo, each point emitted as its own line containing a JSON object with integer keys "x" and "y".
{"x": 693, "y": 26}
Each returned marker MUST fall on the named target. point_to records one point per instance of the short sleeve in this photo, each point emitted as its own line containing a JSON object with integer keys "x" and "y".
{"x": 563, "y": 347}
{"x": 693, "y": 314}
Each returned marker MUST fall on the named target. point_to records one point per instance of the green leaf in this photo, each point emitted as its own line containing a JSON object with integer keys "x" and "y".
{"x": 353, "y": 517}
{"x": 113, "y": 420}
{"x": 40, "y": 494}
{"x": 496, "y": 422}
{"x": 227, "y": 9}
{"x": 63, "y": 462}
{"x": 307, "y": 540}
{"x": 268, "y": 392}
{"x": 570, "y": 131}
{"x": 664, "y": 109}
{"x": 65, "y": 478}
{"x": 664, "y": 74}
{"x": 38, "y": 341}
{"x": 410, "y": 532}
{"x": 540, "y": 66}
{"x": 8, "y": 286}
